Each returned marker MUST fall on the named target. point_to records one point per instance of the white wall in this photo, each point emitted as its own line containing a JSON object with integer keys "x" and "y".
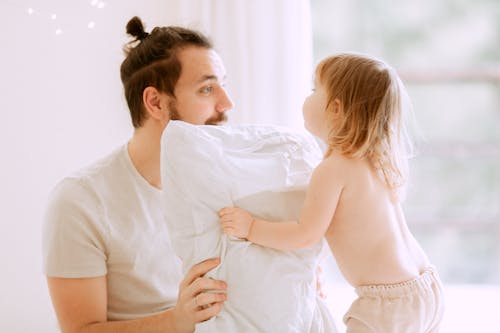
{"x": 61, "y": 107}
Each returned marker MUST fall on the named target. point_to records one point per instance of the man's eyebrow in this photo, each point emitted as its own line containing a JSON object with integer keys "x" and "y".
{"x": 210, "y": 77}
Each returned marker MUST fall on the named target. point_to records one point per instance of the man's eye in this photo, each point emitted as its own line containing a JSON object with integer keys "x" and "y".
{"x": 206, "y": 90}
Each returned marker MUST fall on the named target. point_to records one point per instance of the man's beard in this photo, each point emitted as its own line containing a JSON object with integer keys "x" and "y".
{"x": 218, "y": 119}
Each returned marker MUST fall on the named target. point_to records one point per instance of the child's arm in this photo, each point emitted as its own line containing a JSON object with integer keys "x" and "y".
{"x": 321, "y": 200}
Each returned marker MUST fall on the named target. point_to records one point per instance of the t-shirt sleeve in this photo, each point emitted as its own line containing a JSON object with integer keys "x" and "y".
{"x": 73, "y": 236}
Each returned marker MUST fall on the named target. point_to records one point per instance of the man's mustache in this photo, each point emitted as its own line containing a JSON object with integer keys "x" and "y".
{"x": 219, "y": 119}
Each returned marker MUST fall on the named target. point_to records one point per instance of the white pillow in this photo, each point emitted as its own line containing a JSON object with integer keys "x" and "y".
{"x": 264, "y": 169}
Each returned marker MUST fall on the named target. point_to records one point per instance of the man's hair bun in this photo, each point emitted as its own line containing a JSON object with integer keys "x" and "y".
{"x": 135, "y": 28}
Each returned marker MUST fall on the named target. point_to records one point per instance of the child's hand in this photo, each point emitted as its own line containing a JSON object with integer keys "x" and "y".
{"x": 236, "y": 221}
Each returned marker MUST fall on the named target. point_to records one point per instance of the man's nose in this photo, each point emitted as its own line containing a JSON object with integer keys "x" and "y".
{"x": 224, "y": 103}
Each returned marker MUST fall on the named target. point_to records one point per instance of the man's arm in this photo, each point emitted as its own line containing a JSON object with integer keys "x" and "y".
{"x": 81, "y": 304}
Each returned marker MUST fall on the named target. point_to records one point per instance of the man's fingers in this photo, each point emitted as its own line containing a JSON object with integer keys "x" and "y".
{"x": 202, "y": 284}
{"x": 199, "y": 270}
{"x": 208, "y": 312}
{"x": 205, "y": 299}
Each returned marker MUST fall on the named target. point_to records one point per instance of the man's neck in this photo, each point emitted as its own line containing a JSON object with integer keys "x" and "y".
{"x": 144, "y": 151}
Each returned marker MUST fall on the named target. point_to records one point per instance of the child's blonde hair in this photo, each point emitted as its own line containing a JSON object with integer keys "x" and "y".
{"x": 373, "y": 103}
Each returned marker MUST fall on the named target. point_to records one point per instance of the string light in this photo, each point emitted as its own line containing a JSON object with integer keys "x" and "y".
{"x": 98, "y": 4}
{"x": 41, "y": 14}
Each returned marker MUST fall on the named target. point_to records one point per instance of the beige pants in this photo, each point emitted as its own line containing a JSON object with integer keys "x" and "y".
{"x": 415, "y": 306}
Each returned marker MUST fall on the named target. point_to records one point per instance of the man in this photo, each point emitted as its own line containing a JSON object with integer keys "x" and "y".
{"x": 107, "y": 257}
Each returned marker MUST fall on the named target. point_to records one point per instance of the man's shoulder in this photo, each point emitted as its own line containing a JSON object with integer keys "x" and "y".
{"x": 90, "y": 178}
{"x": 104, "y": 165}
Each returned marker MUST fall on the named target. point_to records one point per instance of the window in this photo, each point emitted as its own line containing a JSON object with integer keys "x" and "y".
{"x": 448, "y": 55}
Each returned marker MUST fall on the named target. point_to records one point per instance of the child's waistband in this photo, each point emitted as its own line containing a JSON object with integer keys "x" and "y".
{"x": 426, "y": 279}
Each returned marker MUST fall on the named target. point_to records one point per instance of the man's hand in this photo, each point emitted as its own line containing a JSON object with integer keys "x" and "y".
{"x": 81, "y": 304}
{"x": 236, "y": 222}
{"x": 200, "y": 298}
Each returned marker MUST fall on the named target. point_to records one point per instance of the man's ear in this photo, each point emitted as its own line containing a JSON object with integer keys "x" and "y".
{"x": 155, "y": 103}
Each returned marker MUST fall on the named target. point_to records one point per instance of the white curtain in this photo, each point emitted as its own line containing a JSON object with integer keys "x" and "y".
{"x": 266, "y": 46}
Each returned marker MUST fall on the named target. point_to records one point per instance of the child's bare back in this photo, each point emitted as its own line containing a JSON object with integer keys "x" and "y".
{"x": 368, "y": 235}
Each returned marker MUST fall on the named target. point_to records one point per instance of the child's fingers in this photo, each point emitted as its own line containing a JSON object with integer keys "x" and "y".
{"x": 227, "y": 225}
{"x": 226, "y": 218}
{"x": 228, "y": 231}
{"x": 225, "y": 210}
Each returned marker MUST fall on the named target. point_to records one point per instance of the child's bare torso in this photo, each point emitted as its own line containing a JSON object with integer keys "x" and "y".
{"x": 368, "y": 235}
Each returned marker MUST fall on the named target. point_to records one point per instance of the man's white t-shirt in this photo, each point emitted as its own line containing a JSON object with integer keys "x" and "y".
{"x": 108, "y": 220}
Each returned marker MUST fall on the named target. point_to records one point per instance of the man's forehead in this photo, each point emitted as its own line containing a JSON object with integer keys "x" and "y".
{"x": 201, "y": 64}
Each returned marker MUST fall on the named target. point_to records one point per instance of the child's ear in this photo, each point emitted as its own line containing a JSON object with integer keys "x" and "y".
{"x": 336, "y": 107}
{"x": 155, "y": 103}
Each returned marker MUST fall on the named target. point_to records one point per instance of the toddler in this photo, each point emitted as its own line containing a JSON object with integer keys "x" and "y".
{"x": 357, "y": 108}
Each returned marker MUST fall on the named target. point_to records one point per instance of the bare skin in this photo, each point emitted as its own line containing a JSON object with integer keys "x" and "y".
{"x": 81, "y": 304}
